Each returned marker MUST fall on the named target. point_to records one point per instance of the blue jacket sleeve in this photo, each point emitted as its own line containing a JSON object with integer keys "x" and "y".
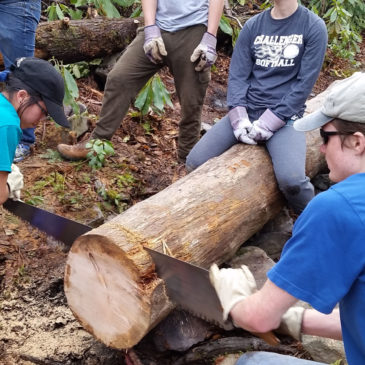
{"x": 240, "y": 70}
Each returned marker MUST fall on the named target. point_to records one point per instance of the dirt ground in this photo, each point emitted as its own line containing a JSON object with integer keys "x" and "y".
{"x": 31, "y": 264}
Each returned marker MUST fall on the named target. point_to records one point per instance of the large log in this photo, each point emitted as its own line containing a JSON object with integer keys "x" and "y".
{"x": 83, "y": 40}
{"x": 110, "y": 281}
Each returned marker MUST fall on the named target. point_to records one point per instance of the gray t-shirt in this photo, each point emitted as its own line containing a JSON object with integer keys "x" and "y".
{"x": 174, "y": 15}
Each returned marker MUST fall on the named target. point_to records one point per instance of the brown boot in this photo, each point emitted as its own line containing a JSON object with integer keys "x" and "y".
{"x": 73, "y": 152}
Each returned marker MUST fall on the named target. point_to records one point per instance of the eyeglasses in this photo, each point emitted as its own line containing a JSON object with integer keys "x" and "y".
{"x": 327, "y": 134}
{"x": 44, "y": 111}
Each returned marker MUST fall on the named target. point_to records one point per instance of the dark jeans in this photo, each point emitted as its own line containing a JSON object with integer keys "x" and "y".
{"x": 134, "y": 69}
{"x": 18, "y": 24}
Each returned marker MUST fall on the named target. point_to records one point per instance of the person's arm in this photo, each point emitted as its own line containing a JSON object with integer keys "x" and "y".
{"x": 149, "y": 12}
{"x": 261, "y": 312}
{"x": 214, "y": 15}
{"x": 4, "y": 190}
{"x": 240, "y": 70}
{"x": 324, "y": 325}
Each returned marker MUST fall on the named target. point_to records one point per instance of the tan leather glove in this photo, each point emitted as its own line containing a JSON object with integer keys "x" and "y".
{"x": 291, "y": 323}
{"x": 15, "y": 182}
{"x": 232, "y": 285}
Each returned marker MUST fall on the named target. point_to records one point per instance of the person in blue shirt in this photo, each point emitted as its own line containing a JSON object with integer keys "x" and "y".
{"x": 323, "y": 263}
{"x": 18, "y": 24}
{"x": 34, "y": 89}
{"x": 275, "y": 63}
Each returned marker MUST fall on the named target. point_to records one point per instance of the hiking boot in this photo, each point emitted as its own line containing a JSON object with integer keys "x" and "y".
{"x": 74, "y": 152}
{"x": 22, "y": 151}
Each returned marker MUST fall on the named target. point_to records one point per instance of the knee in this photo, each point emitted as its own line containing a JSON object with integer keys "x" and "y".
{"x": 191, "y": 162}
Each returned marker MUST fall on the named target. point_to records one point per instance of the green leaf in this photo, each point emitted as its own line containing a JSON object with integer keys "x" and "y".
{"x": 142, "y": 96}
{"x": 59, "y": 12}
{"x": 70, "y": 84}
{"x": 225, "y": 25}
{"x": 51, "y": 11}
{"x": 137, "y": 12}
{"x": 76, "y": 71}
{"x": 75, "y": 14}
{"x": 109, "y": 9}
{"x": 124, "y": 3}
{"x": 157, "y": 94}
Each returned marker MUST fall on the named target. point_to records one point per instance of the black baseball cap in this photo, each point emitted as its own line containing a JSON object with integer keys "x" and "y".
{"x": 45, "y": 80}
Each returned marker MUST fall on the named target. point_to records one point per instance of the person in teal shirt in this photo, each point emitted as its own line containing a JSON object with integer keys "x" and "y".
{"x": 34, "y": 90}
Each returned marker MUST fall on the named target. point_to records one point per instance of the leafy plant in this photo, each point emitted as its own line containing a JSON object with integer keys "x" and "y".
{"x": 345, "y": 20}
{"x": 231, "y": 27}
{"x": 76, "y": 10}
{"x": 71, "y": 88}
{"x": 153, "y": 95}
{"x": 99, "y": 150}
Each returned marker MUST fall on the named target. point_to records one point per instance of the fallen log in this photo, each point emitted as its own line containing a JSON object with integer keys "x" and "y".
{"x": 110, "y": 282}
{"x": 83, "y": 40}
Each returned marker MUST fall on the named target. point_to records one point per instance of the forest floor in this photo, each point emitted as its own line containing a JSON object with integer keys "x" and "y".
{"x": 145, "y": 162}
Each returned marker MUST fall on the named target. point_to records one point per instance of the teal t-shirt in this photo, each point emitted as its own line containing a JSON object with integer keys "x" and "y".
{"x": 10, "y": 133}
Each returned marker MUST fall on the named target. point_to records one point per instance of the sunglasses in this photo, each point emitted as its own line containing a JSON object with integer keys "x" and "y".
{"x": 327, "y": 134}
{"x": 44, "y": 111}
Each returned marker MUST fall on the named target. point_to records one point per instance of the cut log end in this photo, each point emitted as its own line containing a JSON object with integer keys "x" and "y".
{"x": 104, "y": 289}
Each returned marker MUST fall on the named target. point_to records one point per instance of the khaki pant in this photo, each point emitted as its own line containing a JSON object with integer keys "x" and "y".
{"x": 134, "y": 69}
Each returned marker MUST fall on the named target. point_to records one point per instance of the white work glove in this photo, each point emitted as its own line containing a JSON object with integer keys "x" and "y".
{"x": 264, "y": 128}
{"x": 241, "y": 125}
{"x": 231, "y": 285}
{"x": 291, "y": 323}
{"x": 153, "y": 46}
{"x": 15, "y": 182}
{"x": 205, "y": 52}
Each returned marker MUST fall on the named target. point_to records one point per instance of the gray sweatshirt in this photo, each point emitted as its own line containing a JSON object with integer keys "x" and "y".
{"x": 275, "y": 63}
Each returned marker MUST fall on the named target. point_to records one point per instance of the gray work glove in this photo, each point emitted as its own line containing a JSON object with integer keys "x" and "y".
{"x": 205, "y": 52}
{"x": 15, "y": 182}
{"x": 264, "y": 128}
{"x": 153, "y": 46}
{"x": 241, "y": 125}
{"x": 231, "y": 285}
{"x": 291, "y": 323}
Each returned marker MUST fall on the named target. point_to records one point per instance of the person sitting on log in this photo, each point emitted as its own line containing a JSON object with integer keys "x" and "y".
{"x": 34, "y": 90}
{"x": 323, "y": 263}
{"x": 275, "y": 63}
{"x": 178, "y": 34}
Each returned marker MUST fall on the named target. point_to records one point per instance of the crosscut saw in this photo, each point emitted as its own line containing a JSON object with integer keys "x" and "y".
{"x": 60, "y": 228}
{"x": 190, "y": 288}
{"x": 187, "y": 285}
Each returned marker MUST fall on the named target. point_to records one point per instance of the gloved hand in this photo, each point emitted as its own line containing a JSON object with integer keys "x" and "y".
{"x": 263, "y": 128}
{"x": 153, "y": 46}
{"x": 241, "y": 125}
{"x": 291, "y": 322}
{"x": 15, "y": 182}
{"x": 205, "y": 52}
{"x": 231, "y": 285}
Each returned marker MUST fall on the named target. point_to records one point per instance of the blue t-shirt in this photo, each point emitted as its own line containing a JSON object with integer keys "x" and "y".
{"x": 180, "y": 14}
{"x": 324, "y": 261}
{"x": 10, "y": 133}
{"x": 276, "y": 62}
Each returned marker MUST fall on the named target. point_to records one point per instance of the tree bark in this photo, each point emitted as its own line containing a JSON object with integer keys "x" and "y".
{"x": 83, "y": 40}
{"x": 110, "y": 282}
